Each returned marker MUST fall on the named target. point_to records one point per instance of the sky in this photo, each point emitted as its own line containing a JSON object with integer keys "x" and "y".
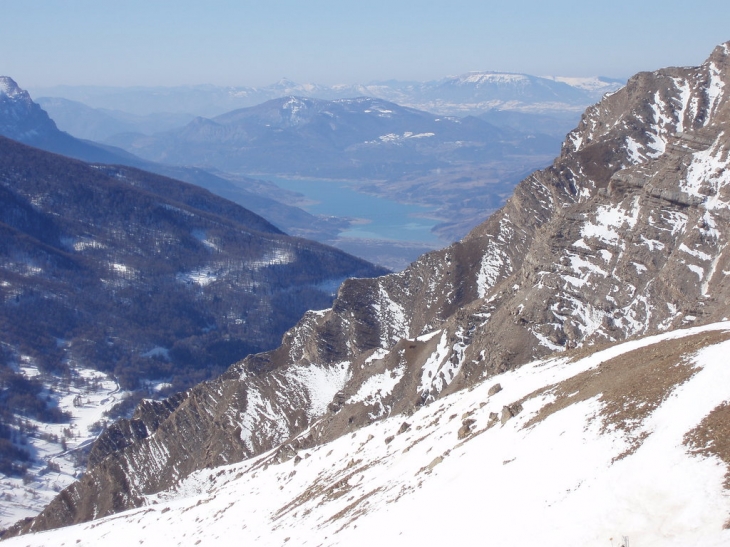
{"x": 257, "y": 42}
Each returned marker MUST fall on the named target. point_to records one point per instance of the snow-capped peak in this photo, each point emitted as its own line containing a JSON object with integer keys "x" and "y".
{"x": 478, "y": 78}
{"x": 591, "y": 84}
{"x": 9, "y": 88}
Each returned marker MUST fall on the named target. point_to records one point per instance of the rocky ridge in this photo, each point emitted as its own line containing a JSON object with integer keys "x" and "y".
{"x": 624, "y": 235}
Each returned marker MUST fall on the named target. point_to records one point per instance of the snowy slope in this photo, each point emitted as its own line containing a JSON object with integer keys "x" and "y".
{"x": 600, "y": 447}
{"x": 57, "y": 448}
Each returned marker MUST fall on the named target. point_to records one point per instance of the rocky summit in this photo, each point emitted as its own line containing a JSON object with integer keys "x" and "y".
{"x": 623, "y": 236}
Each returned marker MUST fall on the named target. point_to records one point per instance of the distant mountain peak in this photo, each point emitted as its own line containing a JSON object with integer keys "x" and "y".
{"x": 9, "y": 88}
{"x": 481, "y": 77}
{"x": 591, "y": 84}
{"x": 20, "y": 118}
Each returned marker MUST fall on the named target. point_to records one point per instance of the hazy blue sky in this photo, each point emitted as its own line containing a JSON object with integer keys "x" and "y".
{"x": 239, "y": 42}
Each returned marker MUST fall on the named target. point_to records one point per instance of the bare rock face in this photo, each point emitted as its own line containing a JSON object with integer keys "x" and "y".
{"x": 624, "y": 235}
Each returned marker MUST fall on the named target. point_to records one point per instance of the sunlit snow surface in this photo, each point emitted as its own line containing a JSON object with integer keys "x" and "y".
{"x": 552, "y": 484}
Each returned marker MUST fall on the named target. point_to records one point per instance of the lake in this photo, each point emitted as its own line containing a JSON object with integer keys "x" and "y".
{"x": 381, "y": 218}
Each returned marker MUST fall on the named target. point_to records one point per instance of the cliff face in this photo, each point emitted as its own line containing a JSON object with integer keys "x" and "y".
{"x": 623, "y": 235}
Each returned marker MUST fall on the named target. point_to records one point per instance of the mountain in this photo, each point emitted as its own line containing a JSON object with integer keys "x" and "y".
{"x": 23, "y": 120}
{"x": 148, "y": 254}
{"x": 153, "y": 283}
{"x": 623, "y": 236}
{"x": 467, "y": 94}
{"x": 85, "y": 122}
{"x": 360, "y": 138}
{"x": 624, "y": 445}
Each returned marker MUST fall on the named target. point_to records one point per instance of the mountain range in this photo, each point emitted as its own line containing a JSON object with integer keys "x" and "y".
{"x": 461, "y": 168}
{"x": 467, "y": 171}
{"x": 467, "y": 94}
{"x": 622, "y": 237}
{"x": 359, "y": 138}
{"x": 23, "y": 120}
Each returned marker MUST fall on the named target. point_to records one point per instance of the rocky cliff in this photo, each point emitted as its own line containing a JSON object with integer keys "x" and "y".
{"x": 624, "y": 235}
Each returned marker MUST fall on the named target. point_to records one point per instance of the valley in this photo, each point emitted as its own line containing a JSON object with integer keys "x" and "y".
{"x": 544, "y": 363}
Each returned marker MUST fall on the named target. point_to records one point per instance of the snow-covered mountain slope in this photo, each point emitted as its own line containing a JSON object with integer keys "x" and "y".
{"x": 58, "y": 449}
{"x": 581, "y": 449}
{"x": 623, "y": 236}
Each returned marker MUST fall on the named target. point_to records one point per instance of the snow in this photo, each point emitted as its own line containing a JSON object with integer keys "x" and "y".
{"x": 713, "y": 267}
{"x": 653, "y": 244}
{"x": 259, "y": 415}
{"x": 392, "y": 315}
{"x": 634, "y": 150}
{"x": 495, "y": 259}
{"x": 698, "y": 270}
{"x": 273, "y": 258}
{"x": 557, "y": 482}
{"x": 429, "y": 375}
{"x": 202, "y": 276}
{"x": 395, "y": 138}
{"x": 378, "y": 386}
{"x": 201, "y": 235}
{"x": 676, "y": 220}
{"x": 709, "y": 168}
{"x": 684, "y": 97}
{"x": 157, "y": 351}
{"x": 87, "y": 244}
{"x": 9, "y": 88}
{"x": 576, "y": 140}
{"x": 591, "y": 83}
{"x": 715, "y": 90}
{"x": 608, "y": 220}
{"x": 322, "y": 384}
{"x": 696, "y": 253}
{"x": 426, "y": 337}
{"x": 87, "y": 397}
{"x": 491, "y": 78}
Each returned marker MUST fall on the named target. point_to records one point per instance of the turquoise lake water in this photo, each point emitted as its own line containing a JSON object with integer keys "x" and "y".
{"x": 386, "y": 219}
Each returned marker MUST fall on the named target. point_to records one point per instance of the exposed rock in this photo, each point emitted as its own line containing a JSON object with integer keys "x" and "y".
{"x": 437, "y": 460}
{"x": 509, "y": 412}
{"x": 496, "y": 388}
{"x": 465, "y": 429}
